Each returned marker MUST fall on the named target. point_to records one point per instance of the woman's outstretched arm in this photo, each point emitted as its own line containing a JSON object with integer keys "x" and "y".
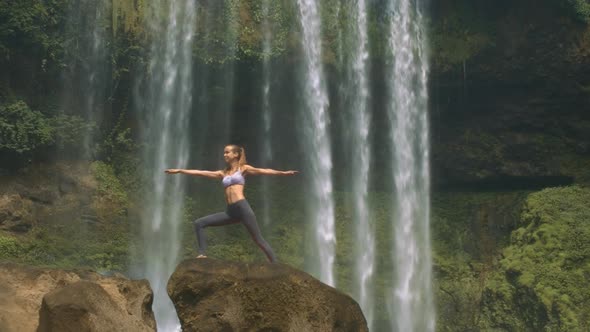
{"x": 207, "y": 174}
{"x": 250, "y": 170}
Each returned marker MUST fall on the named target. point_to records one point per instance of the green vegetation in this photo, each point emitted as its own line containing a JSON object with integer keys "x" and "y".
{"x": 460, "y": 34}
{"x": 10, "y": 247}
{"x": 111, "y": 194}
{"x": 127, "y": 16}
{"x": 91, "y": 232}
{"x": 69, "y": 245}
{"x": 580, "y": 9}
{"x": 31, "y": 25}
{"x": 22, "y": 129}
{"x": 454, "y": 42}
{"x": 69, "y": 131}
{"x": 542, "y": 282}
{"x": 26, "y": 132}
{"x": 230, "y": 30}
{"x": 468, "y": 232}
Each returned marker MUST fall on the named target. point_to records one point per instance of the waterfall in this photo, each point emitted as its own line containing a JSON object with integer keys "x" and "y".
{"x": 228, "y": 96}
{"x": 223, "y": 27}
{"x": 316, "y": 144}
{"x": 203, "y": 98}
{"x": 357, "y": 128}
{"x": 412, "y": 307}
{"x": 89, "y": 66}
{"x": 266, "y": 111}
{"x": 339, "y": 43}
{"x": 165, "y": 101}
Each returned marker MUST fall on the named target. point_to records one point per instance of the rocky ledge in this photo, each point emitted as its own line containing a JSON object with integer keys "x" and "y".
{"x": 44, "y": 300}
{"x": 214, "y": 295}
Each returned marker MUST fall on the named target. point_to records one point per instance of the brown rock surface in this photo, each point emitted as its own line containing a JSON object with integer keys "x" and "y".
{"x": 71, "y": 295}
{"x": 213, "y": 295}
{"x": 15, "y": 213}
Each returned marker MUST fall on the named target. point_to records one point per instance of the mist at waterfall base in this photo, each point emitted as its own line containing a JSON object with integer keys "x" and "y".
{"x": 353, "y": 128}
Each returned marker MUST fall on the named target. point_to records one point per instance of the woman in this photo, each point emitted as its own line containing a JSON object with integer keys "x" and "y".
{"x": 238, "y": 209}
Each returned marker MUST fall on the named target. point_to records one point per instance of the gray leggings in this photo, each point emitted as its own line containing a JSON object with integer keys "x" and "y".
{"x": 236, "y": 212}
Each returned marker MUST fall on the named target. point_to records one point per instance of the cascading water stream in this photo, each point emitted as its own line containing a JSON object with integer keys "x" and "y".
{"x": 339, "y": 43}
{"x": 316, "y": 144}
{"x": 412, "y": 308}
{"x": 266, "y": 110}
{"x": 202, "y": 101}
{"x": 166, "y": 105}
{"x": 90, "y": 62}
{"x": 358, "y": 130}
{"x": 96, "y": 91}
{"x": 222, "y": 99}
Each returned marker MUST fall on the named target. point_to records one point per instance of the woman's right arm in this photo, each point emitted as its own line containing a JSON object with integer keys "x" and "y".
{"x": 207, "y": 174}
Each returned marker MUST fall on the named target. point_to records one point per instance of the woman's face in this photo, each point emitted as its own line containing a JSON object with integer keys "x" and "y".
{"x": 229, "y": 154}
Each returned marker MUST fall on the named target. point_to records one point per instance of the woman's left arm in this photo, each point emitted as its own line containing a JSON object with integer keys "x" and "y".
{"x": 250, "y": 170}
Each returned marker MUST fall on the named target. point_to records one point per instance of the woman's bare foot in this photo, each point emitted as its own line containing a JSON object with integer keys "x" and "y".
{"x": 201, "y": 256}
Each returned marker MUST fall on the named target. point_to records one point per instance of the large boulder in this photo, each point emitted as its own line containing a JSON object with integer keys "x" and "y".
{"x": 214, "y": 295}
{"x": 37, "y": 299}
{"x": 86, "y": 306}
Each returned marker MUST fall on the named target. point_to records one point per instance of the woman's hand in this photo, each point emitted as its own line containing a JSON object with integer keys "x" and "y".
{"x": 290, "y": 172}
{"x": 172, "y": 171}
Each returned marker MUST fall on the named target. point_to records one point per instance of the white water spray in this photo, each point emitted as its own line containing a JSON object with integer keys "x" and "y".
{"x": 316, "y": 143}
{"x": 412, "y": 308}
{"x": 88, "y": 67}
{"x": 98, "y": 59}
{"x": 167, "y": 107}
{"x": 266, "y": 110}
{"x": 223, "y": 98}
{"x": 358, "y": 129}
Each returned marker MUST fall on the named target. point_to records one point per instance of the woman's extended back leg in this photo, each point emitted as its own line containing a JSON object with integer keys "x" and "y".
{"x": 249, "y": 220}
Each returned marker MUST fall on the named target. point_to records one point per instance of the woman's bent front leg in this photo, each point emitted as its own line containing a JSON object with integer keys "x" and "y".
{"x": 212, "y": 220}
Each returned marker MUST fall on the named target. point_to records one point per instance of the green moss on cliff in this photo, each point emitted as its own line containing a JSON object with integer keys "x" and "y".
{"x": 127, "y": 16}
{"x": 580, "y": 9}
{"x": 468, "y": 232}
{"x": 454, "y": 41}
{"x": 542, "y": 281}
{"x": 85, "y": 224}
{"x": 69, "y": 245}
{"x": 111, "y": 200}
{"x": 22, "y": 129}
{"x": 10, "y": 247}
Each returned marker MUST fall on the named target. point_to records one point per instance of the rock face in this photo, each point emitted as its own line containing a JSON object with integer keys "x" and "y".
{"x": 509, "y": 95}
{"x": 15, "y": 213}
{"x": 48, "y": 193}
{"x": 213, "y": 295}
{"x": 35, "y": 299}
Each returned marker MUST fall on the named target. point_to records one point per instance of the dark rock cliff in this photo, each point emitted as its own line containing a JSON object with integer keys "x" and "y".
{"x": 509, "y": 95}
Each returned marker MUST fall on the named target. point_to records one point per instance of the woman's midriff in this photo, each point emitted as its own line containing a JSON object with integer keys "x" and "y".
{"x": 234, "y": 193}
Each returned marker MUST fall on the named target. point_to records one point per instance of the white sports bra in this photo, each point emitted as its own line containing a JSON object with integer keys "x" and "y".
{"x": 236, "y": 178}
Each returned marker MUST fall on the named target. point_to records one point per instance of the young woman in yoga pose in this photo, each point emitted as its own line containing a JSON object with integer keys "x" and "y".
{"x": 238, "y": 209}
